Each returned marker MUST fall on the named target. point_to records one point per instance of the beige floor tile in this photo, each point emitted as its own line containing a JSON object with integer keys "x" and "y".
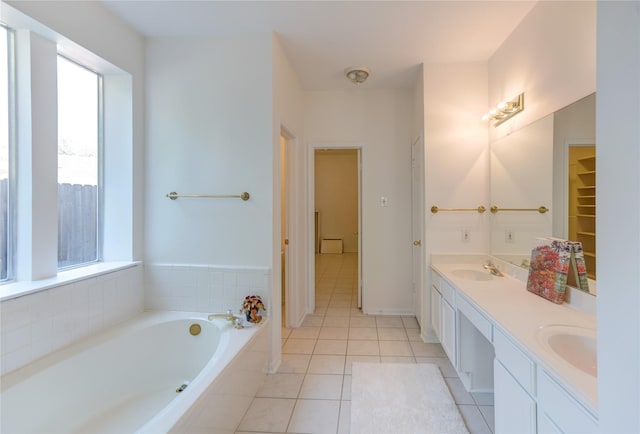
{"x": 305, "y": 333}
{"x": 315, "y": 417}
{"x": 346, "y": 388}
{"x": 474, "y": 420}
{"x": 410, "y": 322}
{"x": 313, "y": 320}
{"x": 488, "y": 413}
{"x": 392, "y": 334}
{"x": 281, "y": 386}
{"x": 298, "y": 346}
{"x": 334, "y": 332}
{"x": 363, "y": 333}
{"x": 459, "y": 393}
{"x": 397, "y": 359}
{"x": 362, "y": 321}
{"x": 336, "y": 321}
{"x": 268, "y": 414}
{"x": 421, "y": 349}
{"x": 445, "y": 365}
{"x": 413, "y": 335}
{"x": 344, "y": 422}
{"x": 331, "y": 346}
{"x": 395, "y": 348}
{"x": 321, "y": 386}
{"x": 285, "y": 332}
{"x": 338, "y": 311}
{"x": 363, "y": 348}
{"x": 294, "y": 363}
{"x": 389, "y": 321}
{"x": 326, "y": 364}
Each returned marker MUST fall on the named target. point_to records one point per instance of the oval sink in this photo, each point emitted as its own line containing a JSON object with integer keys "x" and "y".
{"x": 575, "y": 345}
{"x": 470, "y": 274}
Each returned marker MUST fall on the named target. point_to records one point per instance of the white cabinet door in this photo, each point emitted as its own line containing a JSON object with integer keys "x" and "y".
{"x": 558, "y": 411}
{"x": 448, "y": 330}
{"x": 515, "y": 410}
{"x": 435, "y": 311}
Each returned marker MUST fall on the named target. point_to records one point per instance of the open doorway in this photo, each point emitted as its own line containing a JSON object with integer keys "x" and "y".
{"x": 336, "y": 228}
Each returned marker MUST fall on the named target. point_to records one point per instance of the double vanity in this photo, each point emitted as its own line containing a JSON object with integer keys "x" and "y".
{"x": 539, "y": 358}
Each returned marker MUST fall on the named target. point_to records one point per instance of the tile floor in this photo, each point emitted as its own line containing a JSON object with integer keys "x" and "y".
{"x": 311, "y": 391}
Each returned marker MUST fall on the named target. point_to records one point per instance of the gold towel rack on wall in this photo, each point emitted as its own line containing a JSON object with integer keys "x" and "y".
{"x": 480, "y": 209}
{"x": 541, "y": 209}
{"x": 244, "y": 196}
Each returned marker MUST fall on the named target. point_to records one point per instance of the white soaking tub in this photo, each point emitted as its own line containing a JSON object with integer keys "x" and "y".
{"x": 149, "y": 375}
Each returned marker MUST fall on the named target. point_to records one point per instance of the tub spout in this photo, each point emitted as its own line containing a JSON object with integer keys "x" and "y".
{"x": 237, "y": 322}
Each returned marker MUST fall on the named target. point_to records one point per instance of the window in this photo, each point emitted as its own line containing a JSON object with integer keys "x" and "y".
{"x": 6, "y": 129}
{"x": 79, "y": 136}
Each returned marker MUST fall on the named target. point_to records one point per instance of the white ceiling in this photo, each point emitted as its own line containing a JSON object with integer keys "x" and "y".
{"x": 322, "y": 38}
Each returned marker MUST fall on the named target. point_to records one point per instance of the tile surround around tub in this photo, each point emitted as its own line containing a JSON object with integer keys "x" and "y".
{"x": 203, "y": 288}
{"x": 40, "y": 323}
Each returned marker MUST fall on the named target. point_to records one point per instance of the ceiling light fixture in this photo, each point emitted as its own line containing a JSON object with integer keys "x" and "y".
{"x": 505, "y": 110}
{"x": 357, "y": 74}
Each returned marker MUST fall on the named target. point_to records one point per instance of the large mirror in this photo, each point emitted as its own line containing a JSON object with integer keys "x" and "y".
{"x": 543, "y": 179}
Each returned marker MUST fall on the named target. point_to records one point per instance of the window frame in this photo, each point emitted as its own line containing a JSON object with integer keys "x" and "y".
{"x": 12, "y": 146}
{"x": 100, "y": 169}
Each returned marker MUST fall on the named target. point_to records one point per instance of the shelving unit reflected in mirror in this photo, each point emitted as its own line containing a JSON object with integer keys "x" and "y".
{"x": 582, "y": 202}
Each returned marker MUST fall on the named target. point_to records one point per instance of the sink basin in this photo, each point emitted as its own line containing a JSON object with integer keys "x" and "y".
{"x": 574, "y": 345}
{"x": 470, "y": 274}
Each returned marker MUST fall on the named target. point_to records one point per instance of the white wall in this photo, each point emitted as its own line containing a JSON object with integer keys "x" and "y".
{"x": 456, "y": 164}
{"x": 550, "y": 57}
{"x": 380, "y": 122}
{"x": 209, "y": 131}
{"x": 336, "y": 196}
{"x": 618, "y": 201}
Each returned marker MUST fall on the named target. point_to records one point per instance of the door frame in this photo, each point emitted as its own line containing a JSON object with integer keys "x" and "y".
{"x": 311, "y": 283}
{"x": 292, "y": 314}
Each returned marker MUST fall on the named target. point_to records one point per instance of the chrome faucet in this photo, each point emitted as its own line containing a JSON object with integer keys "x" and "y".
{"x": 229, "y": 316}
{"x": 493, "y": 269}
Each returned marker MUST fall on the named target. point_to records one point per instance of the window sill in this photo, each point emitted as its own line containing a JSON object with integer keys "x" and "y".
{"x": 12, "y": 290}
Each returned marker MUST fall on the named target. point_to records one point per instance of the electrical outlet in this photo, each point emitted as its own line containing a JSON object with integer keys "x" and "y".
{"x": 384, "y": 201}
{"x": 508, "y": 236}
{"x": 466, "y": 236}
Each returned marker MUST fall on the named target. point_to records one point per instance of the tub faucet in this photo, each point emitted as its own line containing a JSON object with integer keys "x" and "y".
{"x": 229, "y": 316}
{"x": 493, "y": 269}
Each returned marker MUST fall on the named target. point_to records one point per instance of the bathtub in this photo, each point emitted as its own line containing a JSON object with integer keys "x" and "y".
{"x": 148, "y": 375}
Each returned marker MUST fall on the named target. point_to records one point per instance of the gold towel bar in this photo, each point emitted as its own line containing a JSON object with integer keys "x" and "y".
{"x": 244, "y": 196}
{"x": 541, "y": 210}
{"x": 480, "y": 209}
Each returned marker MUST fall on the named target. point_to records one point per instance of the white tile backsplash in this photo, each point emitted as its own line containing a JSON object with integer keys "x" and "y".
{"x": 39, "y": 323}
{"x": 203, "y": 288}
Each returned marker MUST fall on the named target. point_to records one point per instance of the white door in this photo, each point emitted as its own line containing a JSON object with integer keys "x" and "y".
{"x": 417, "y": 224}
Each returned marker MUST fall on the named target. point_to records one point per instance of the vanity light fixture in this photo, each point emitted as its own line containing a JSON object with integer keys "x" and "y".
{"x": 357, "y": 74}
{"x": 505, "y": 110}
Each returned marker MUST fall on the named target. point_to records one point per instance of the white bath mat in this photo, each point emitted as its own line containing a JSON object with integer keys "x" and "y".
{"x": 401, "y": 399}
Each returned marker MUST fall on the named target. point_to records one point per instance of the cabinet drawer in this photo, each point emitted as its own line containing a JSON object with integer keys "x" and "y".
{"x": 558, "y": 407}
{"x": 448, "y": 293}
{"x": 476, "y": 318}
{"x": 519, "y": 365}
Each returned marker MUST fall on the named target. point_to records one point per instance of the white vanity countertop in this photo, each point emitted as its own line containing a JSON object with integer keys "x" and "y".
{"x": 521, "y": 314}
